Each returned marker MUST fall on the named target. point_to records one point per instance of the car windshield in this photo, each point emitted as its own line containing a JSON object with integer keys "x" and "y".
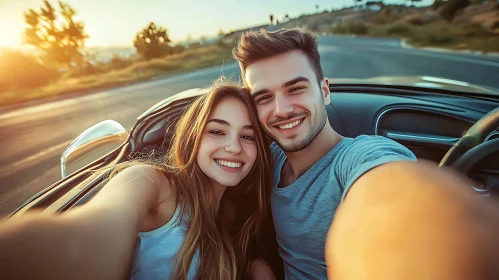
{"x": 67, "y": 65}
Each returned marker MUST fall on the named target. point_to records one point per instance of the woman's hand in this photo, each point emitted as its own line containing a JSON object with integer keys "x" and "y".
{"x": 92, "y": 241}
{"x": 260, "y": 270}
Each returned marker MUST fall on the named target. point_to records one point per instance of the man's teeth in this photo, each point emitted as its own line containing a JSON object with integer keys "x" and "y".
{"x": 229, "y": 163}
{"x": 290, "y": 125}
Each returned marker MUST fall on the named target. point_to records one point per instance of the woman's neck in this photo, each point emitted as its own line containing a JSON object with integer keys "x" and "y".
{"x": 218, "y": 190}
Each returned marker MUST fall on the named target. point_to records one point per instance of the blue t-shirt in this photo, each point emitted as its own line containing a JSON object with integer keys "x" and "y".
{"x": 304, "y": 210}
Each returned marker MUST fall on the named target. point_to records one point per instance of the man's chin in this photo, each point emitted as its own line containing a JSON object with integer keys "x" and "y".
{"x": 291, "y": 146}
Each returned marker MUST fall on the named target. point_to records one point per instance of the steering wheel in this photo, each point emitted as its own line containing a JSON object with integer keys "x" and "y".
{"x": 470, "y": 149}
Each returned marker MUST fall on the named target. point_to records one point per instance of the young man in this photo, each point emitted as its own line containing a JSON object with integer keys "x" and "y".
{"x": 314, "y": 165}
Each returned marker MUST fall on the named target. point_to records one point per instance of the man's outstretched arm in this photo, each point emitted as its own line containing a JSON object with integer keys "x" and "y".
{"x": 408, "y": 220}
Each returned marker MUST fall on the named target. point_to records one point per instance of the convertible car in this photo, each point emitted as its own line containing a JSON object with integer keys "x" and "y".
{"x": 449, "y": 122}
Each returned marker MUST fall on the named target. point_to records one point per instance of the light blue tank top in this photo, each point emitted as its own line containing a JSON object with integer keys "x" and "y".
{"x": 156, "y": 251}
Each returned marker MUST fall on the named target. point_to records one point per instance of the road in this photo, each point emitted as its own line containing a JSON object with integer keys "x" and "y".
{"x": 33, "y": 138}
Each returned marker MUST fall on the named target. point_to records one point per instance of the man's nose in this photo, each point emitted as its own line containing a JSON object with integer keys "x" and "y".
{"x": 282, "y": 107}
{"x": 233, "y": 145}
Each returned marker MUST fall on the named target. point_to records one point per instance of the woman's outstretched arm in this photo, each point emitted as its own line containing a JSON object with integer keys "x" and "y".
{"x": 93, "y": 241}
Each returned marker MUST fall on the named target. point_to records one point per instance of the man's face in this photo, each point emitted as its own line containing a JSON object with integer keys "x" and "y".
{"x": 289, "y": 100}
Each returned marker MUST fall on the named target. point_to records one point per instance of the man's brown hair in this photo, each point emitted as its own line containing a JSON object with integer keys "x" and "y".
{"x": 257, "y": 45}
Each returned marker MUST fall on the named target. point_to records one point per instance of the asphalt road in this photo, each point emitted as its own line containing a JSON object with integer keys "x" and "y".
{"x": 32, "y": 139}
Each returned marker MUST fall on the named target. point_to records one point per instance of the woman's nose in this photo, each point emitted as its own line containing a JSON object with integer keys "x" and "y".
{"x": 233, "y": 146}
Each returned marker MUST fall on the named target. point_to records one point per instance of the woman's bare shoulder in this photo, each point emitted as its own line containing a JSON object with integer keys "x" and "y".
{"x": 139, "y": 175}
{"x": 138, "y": 186}
{"x": 165, "y": 203}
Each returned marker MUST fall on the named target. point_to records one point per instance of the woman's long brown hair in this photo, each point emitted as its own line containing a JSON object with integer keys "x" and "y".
{"x": 221, "y": 234}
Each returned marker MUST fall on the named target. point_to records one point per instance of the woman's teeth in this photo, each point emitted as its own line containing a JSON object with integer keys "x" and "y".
{"x": 229, "y": 163}
{"x": 290, "y": 125}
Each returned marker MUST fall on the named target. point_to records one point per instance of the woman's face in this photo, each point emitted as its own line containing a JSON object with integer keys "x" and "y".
{"x": 228, "y": 150}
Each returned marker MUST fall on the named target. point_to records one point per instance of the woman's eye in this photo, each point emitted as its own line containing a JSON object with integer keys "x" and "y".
{"x": 216, "y": 132}
{"x": 247, "y": 137}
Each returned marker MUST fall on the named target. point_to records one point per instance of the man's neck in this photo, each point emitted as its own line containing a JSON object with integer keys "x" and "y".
{"x": 299, "y": 162}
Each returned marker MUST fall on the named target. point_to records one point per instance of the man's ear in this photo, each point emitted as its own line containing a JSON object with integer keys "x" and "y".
{"x": 325, "y": 90}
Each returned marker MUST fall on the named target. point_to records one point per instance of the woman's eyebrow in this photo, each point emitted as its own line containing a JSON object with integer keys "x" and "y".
{"x": 224, "y": 122}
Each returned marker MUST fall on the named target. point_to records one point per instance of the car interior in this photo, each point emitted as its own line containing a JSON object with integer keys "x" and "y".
{"x": 430, "y": 122}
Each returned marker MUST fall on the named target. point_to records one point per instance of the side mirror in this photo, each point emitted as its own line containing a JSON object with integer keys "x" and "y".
{"x": 92, "y": 144}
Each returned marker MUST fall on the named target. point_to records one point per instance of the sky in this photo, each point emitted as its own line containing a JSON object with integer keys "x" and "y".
{"x": 114, "y": 23}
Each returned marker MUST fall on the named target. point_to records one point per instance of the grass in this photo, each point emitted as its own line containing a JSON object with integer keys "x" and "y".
{"x": 444, "y": 35}
{"x": 438, "y": 34}
{"x": 189, "y": 60}
{"x": 354, "y": 28}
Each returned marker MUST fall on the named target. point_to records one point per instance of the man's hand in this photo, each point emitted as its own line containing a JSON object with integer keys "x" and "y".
{"x": 407, "y": 220}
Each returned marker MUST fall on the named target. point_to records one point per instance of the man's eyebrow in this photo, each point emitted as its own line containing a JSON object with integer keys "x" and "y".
{"x": 295, "y": 80}
{"x": 259, "y": 92}
{"x": 223, "y": 122}
{"x": 286, "y": 84}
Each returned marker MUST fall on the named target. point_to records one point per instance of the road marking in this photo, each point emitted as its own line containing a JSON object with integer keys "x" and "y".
{"x": 437, "y": 55}
{"x": 399, "y": 47}
{"x": 50, "y": 106}
{"x": 11, "y": 168}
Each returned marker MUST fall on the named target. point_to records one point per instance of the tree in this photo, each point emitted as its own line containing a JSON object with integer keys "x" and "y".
{"x": 317, "y": 7}
{"x": 412, "y": 1}
{"x": 271, "y": 19}
{"x": 436, "y": 4}
{"x": 21, "y": 71}
{"x": 286, "y": 17}
{"x": 152, "y": 42}
{"x": 56, "y": 33}
{"x": 451, "y": 7}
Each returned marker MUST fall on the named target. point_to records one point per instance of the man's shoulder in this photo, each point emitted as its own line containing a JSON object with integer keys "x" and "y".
{"x": 371, "y": 145}
{"x": 374, "y": 140}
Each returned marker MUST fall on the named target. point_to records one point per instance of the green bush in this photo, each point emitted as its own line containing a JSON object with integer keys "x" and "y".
{"x": 386, "y": 15}
{"x": 21, "y": 71}
{"x": 175, "y": 49}
{"x": 475, "y": 30}
{"x": 417, "y": 20}
{"x": 398, "y": 29}
{"x": 339, "y": 29}
{"x": 351, "y": 28}
{"x": 451, "y": 7}
{"x": 358, "y": 28}
{"x": 435, "y": 35}
{"x": 85, "y": 70}
{"x": 119, "y": 63}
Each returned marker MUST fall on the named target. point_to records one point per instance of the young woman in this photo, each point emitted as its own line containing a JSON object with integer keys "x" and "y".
{"x": 188, "y": 215}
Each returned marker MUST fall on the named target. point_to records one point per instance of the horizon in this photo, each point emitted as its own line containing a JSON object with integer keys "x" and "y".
{"x": 180, "y": 18}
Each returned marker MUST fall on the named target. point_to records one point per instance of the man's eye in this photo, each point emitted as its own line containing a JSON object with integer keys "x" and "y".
{"x": 296, "y": 89}
{"x": 263, "y": 98}
{"x": 216, "y": 132}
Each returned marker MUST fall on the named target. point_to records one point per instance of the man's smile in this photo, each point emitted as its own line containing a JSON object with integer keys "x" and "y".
{"x": 289, "y": 126}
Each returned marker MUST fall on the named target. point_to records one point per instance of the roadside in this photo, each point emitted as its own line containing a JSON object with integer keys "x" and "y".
{"x": 473, "y": 31}
{"x": 187, "y": 61}
{"x": 405, "y": 44}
